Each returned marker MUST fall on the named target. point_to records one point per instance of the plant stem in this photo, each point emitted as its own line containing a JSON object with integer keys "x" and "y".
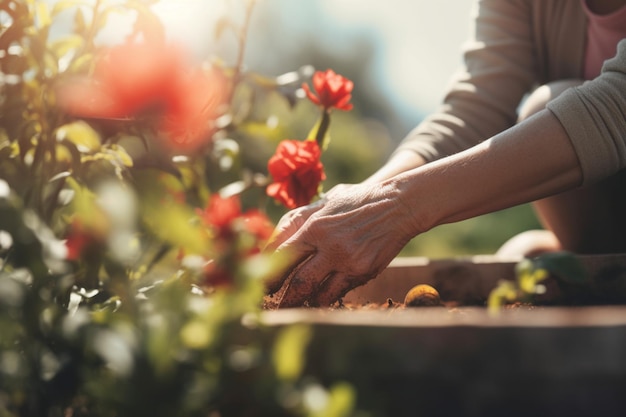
{"x": 242, "y": 38}
{"x": 323, "y": 128}
{"x": 93, "y": 28}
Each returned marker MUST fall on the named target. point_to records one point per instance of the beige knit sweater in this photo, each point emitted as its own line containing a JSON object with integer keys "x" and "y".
{"x": 516, "y": 46}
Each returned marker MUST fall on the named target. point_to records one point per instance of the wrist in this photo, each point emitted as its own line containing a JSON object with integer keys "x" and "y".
{"x": 415, "y": 211}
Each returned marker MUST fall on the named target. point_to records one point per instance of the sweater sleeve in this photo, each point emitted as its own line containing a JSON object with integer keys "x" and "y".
{"x": 594, "y": 117}
{"x": 499, "y": 68}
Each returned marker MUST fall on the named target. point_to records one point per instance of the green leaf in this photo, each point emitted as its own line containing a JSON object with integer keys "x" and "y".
{"x": 102, "y": 18}
{"x": 84, "y": 204}
{"x": 120, "y": 155}
{"x": 67, "y": 151}
{"x": 80, "y": 26}
{"x": 168, "y": 219}
{"x": 288, "y": 355}
{"x": 172, "y": 223}
{"x": 528, "y": 281}
{"x": 115, "y": 155}
{"x": 43, "y": 15}
{"x": 196, "y": 335}
{"x": 51, "y": 64}
{"x": 80, "y": 134}
{"x": 81, "y": 64}
{"x": 62, "y": 5}
{"x": 565, "y": 265}
{"x": 499, "y": 296}
{"x": 62, "y": 46}
{"x": 341, "y": 400}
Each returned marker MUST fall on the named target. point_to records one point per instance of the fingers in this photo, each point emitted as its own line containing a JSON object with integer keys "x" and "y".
{"x": 333, "y": 288}
{"x": 286, "y": 258}
{"x": 312, "y": 276}
{"x": 290, "y": 223}
{"x": 284, "y": 264}
{"x": 318, "y": 289}
{"x": 305, "y": 282}
{"x": 336, "y": 286}
{"x": 286, "y": 227}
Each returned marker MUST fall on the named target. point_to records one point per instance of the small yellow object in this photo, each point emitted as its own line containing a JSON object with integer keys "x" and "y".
{"x": 422, "y": 295}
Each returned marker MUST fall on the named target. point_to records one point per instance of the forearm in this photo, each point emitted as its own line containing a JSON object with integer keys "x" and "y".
{"x": 529, "y": 161}
{"x": 399, "y": 162}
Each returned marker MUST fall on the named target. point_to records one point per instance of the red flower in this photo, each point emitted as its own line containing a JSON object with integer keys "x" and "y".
{"x": 224, "y": 213}
{"x": 217, "y": 276}
{"x": 221, "y": 212}
{"x": 297, "y": 172}
{"x": 82, "y": 240}
{"x": 333, "y": 90}
{"x": 201, "y": 96}
{"x": 258, "y": 224}
{"x": 75, "y": 244}
{"x": 221, "y": 272}
{"x": 147, "y": 79}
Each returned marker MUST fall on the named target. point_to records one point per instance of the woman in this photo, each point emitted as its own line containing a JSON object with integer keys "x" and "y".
{"x": 476, "y": 155}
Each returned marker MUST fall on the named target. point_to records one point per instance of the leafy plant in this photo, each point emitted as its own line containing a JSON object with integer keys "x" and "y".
{"x": 530, "y": 275}
{"x": 523, "y": 289}
{"x": 132, "y": 217}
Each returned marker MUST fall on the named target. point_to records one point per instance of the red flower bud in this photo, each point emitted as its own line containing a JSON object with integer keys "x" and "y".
{"x": 333, "y": 90}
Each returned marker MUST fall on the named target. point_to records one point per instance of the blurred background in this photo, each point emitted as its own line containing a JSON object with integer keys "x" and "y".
{"x": 401, "y": 55}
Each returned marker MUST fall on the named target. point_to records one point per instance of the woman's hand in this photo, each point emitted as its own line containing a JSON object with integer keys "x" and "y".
{"x": 339, "y": 242}
{"x": 294, "y": 219}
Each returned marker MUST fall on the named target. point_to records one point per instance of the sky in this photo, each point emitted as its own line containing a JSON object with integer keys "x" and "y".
{"x": 421, "y": 42}
{"x": 417, "y": 43}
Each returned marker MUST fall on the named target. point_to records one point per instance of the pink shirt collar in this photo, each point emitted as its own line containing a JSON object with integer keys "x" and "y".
{"x": 603, "y": 34}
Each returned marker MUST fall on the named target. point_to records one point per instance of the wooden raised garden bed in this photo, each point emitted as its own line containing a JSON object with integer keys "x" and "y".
{"x": 560, "y": 358}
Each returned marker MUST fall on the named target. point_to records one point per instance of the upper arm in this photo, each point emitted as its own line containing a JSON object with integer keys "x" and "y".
{"x": 499, "y": 68}
{"x": 594, "y": 117}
